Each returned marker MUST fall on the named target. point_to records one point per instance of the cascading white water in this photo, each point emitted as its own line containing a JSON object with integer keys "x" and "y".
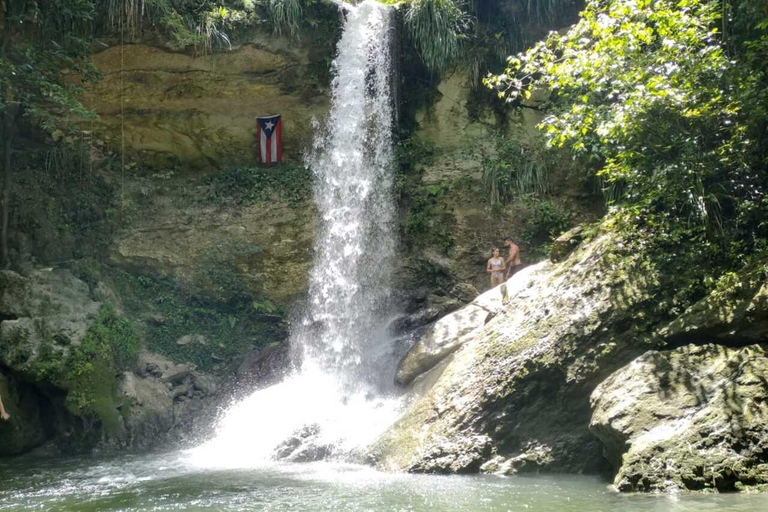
{"x": 352, "y": 165}
{"x": 331, "y": 405}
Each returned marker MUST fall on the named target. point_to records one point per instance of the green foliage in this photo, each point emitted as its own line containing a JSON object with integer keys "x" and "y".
{"x": 427, "y": 221}
{"x": 111, "y": 345}
{"x": 112, "y": 336}
{"x": 285, "y": 15}
{"x": 437, "y": 28}
{"x": 670, "y": 110}
{"x": 63, "y": 208}
{"x": 250, "y": 185}
{"x": 546, "y": 220}
{"x": 201, "y": 24}
{"x": 231, "y": 327}
{"x": 517, "y": 167}
{"x": 46, "y": 43}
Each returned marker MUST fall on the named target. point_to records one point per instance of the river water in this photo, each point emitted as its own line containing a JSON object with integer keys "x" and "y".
{"x": 170, "y": 482}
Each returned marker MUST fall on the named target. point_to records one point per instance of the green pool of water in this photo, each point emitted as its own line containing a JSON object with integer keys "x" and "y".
{"x": 169, "y": 482}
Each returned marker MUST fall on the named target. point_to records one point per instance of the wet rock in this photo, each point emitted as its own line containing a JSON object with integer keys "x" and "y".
{"x": 304, "y": 446}
{"x": 263, "y": 367}
{"x": 566, "y": 243}
{"x": 464, "y": 292}
{"x": 206, "y": 384}
{"x": 446, "y": 336}
{"x": 25, "y": 429}
{"x": 440, "y": 340}
{"x": 146, "y": 407}
{"x": 536, "y": 456}
{"x": 435, "y": 306}
{"x": 693, "y": 418}
{"x": 524, "y": 378}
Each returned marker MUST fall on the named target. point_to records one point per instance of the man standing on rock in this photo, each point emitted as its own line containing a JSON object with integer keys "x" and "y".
{"x": 4, "y": 415}
{"x": 513, "y": 261}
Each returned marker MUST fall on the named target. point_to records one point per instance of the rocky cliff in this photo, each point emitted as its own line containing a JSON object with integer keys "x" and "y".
{"x": 562, "y": 379}
{"x": 73, "y": 374}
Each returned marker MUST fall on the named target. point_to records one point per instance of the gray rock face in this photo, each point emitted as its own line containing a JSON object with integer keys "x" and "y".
{"x": 446, "y": 336}
{"x": 147, "y": 408}
{"x": 46, "y": 311}
{"x": 694, "y": 418}
{"x": 43, "y": 316}
{"x": 464, "y": 292}
{"x": 736, "y": 312}
{"x": 192, "y": 339}
{"x": 516, "y": 389}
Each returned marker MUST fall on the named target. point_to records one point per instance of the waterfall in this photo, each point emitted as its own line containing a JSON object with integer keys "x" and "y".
{"x": 334, "y": 403}
{"x": 352, "y": 162}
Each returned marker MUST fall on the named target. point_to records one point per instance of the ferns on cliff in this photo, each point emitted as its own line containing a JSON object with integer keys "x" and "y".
{"x": 437, "y": 28}
{"x": 285, "y": 15}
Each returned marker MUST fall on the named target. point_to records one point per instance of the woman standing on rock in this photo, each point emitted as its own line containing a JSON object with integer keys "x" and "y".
{"x": 495, "y": 267}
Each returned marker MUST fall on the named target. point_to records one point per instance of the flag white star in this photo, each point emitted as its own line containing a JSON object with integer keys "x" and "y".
{"x": 269, "y": 125}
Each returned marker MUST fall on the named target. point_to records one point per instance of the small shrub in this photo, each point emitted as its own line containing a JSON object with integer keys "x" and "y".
{"x": 547, "y": 220}
{"x": 250, "y": 185}
{"x": 517, "y": 168}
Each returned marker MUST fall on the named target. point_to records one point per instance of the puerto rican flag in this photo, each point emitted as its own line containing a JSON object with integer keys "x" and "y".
{"x": 269, "y": 134}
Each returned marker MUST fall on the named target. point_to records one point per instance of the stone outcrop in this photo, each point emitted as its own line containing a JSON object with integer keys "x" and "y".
{"x": 515, "y": 395}
{"x": 693, "y": 418}
{"x": 735, "y": 313}
{"x": 45, "y": 316}
{"x": 446, "y": 336}
{"x": 187, "y": 241}
{"x": 171, "y": 108}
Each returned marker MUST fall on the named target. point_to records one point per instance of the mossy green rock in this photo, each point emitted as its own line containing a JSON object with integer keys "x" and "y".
{"x": 518, "y": 389}
{"x": 734, "y": 313}
{"x": 694, "y": 418}
{"x": 45, "y": 313}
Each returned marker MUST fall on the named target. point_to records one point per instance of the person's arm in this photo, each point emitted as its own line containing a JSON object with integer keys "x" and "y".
{"x": 4, "y": 415}
{"x": 488, "y": 266}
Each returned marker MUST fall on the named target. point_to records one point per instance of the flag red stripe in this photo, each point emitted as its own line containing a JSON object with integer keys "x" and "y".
{"x": 279, "y": 135}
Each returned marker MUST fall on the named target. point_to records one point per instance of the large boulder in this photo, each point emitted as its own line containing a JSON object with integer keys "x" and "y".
{"x": 147, "y": 407}
{"x": 693, "y": 418}
{"x": 446, "y": 336}
{"x": 45, "y": 317}
{"x": 735, "y": 313}
{"x": 42, "y": 314}
{"x": 515, "y": 394}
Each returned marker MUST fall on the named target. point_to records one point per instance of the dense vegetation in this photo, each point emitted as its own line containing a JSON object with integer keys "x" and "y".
{"x": 665, "y": 101}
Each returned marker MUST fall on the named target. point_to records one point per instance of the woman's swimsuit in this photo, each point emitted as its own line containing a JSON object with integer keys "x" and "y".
{"x": 497, "y": 273}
